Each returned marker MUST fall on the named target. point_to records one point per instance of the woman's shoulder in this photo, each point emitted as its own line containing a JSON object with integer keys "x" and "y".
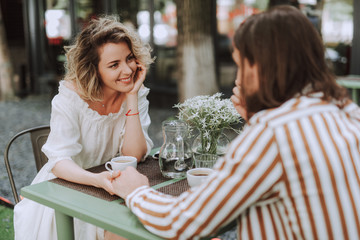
{"x": 69, "y": 88}
{"x": 68, "y": 95}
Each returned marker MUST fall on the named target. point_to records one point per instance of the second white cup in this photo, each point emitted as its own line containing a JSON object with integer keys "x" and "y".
{"x": 120, "y": 163}
{"x": 196, "y": 176}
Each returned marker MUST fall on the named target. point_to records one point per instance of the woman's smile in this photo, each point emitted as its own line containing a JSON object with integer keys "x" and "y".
{"x": 124, "y": 80}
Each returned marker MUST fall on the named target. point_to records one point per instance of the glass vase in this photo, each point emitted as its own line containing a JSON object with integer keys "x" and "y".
{"x": 210, "y": 142}
{"x": 205, "y": 160}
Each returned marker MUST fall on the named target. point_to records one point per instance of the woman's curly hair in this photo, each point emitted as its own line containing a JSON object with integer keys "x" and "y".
{"x": 83, "y": 57}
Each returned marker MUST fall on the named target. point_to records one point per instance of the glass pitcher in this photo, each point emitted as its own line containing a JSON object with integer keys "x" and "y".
{"x": 175, "y": 156}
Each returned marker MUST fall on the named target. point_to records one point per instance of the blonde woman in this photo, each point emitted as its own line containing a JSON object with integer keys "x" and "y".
{"x": 100, "y": 111}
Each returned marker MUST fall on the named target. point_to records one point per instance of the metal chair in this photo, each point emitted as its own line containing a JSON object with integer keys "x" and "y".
{"x": 38, "y": 137}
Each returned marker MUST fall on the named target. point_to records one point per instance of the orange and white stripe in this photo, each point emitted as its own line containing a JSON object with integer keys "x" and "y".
{"x": 294, "y": 173}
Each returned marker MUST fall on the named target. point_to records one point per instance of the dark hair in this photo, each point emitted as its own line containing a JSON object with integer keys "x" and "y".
{"x": 289, "y": 54}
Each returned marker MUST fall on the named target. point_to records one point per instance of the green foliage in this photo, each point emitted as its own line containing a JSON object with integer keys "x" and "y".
{"x": 208, "y": 113}
{"x": 6, "y": 223}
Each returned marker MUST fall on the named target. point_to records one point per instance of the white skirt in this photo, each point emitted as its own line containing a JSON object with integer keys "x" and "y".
{"x": 33, "y": 221}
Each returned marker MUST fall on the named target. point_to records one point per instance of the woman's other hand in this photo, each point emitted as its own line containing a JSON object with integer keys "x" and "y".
{"x": 139, "y": 77}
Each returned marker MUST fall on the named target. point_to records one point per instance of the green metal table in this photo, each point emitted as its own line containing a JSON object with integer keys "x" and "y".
{"x": 113, "y": 215}
{"x": 351, "y": 82}
{"x": 69, "y": 203}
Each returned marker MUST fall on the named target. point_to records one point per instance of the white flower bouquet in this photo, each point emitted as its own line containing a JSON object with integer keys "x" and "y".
{"x": 210, "y": 115}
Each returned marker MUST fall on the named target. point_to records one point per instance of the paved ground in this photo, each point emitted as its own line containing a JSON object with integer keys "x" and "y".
{"x": 35, "y": 110}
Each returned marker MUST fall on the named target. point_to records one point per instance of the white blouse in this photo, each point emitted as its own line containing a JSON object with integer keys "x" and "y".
{"x": 83, "y": 135}
{"x": 89, "y": 139}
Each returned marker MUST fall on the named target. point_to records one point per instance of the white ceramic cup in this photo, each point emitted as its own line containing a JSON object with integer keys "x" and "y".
{"x": 196, "y": 176}
{"x": 120, "y": 163}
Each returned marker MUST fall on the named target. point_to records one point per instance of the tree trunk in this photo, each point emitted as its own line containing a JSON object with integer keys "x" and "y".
{"x": 196, "y": 54}
{"x": 6, "y": 70}
{"x": 355, "y": 50}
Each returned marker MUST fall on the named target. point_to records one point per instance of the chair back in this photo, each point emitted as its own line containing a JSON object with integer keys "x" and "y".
{"x": 38, "y": 139}
{"x": 38, "y": 136}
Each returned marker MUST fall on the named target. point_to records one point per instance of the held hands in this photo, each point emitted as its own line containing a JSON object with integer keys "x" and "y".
{"x": 239, "y": 101}
{"x": 129, "y": 180}
{"x": 104, "y": 180}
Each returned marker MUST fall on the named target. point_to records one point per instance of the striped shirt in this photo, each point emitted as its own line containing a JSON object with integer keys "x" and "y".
{"x": 294, "y": 173}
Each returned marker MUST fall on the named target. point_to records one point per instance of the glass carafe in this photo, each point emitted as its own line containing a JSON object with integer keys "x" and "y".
{"x": 175, "y": 156}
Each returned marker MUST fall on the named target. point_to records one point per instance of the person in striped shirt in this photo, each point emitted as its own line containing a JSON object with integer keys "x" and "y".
{"x": 294, "y": 172}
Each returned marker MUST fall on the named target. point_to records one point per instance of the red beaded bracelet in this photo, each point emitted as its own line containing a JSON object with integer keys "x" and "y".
{"x": 128, "y": 113}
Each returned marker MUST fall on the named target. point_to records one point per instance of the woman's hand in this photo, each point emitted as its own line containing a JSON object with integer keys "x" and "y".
{"x": 239, "y": 101}
{"x": 104, "y": 180}
{"x": 129, "y": 180}
{"x": 70, "y": 171}
{"x": 139, "y": 77}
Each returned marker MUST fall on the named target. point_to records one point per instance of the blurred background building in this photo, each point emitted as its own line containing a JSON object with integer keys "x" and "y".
{"x": 37, "y": 31}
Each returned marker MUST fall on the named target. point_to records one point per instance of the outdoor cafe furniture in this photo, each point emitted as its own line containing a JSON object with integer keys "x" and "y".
{"x": 96, "y": 206}
{"x": 351, "y": 82}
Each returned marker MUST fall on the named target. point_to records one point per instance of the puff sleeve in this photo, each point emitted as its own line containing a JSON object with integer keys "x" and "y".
{"x": 63, "y": 140}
